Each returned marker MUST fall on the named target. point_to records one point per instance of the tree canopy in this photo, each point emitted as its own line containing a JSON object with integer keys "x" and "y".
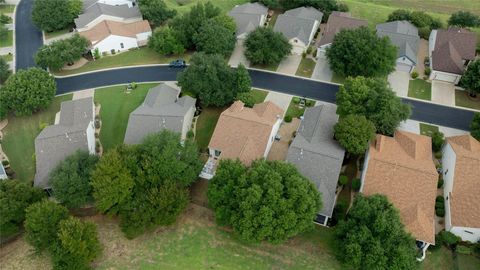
{"x": 268, "y": 201}
{"x": 165, "y": 41}
{"x": 326, "y": 6}
{"x": 214, "y": 38}
{"x": 464, "y": 19}
{"x": 52, "y": 15}
{"x": 354, "y": 132}
{"x": 374, "y": 99}
{"x": 475, "y": 126}
{"x": 61, "y": 52}
{"x": 420, "y": 19}
{"x": 27, "y": 91}
{"x": 264, "y": 46}
{"x": 360, "y": 52}
{"x": 471, "y": 78}
{"x": 5, "y": 71}
{"x": 156, "y": 11}
{"x": 373, "y": 236}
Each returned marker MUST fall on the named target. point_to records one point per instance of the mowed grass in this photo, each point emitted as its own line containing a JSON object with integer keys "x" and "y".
{"x": 259, "y": 95}
{"x": 305, "y": 69}
{"x": 440, "y": 6}
{"x": 19, "y": 138}
{"x": 271, "y": 67}
{"x": 420, "y": 89}
{"x": 467, "y": 262}
{"x": 183, "y": 6}
{"x": 440, "y": 259}
{"x": 463, "y": 100}
{"x": 116, "y": 106}
{"x": 6, "y": 8}
{"x": 428, "y": 130}
{"x": 7, "y": 57}
{"x": 206, "y": 122}
{"x": 49, "y": 35}
{"x": 7, "y": 42}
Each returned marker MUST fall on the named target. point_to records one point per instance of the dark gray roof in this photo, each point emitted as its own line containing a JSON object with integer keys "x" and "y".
{"x": 248, "y": 16}
{"x": 298, "y": 23}
{"x": 316, "y": 154}
{"x": 56, "y": 142}
{"x": 161, "y": 109}
{"x": 404, "y": 35}
{"x": 96, "y": 10}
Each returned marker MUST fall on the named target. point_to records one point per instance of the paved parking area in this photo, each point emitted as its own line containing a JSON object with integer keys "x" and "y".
{"x": 281, "y": 100}
{"x": 443, "y": 93}
{"x": 399, "y": 81}
{"x": 290, "y": 64}
{"x": 322, "y": 69}
{"x": 238, "y": 55}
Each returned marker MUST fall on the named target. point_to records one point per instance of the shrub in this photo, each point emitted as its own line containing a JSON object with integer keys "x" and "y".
{"x": 356, "y": 184}
{"x": 448, "y": 238}
{"x": 296, "y": 100}
{"x": 414, "y": 74}
{"x": 247, "y": 99}
{"x": 4, "y": 19}
{"x": 96, "y": 54}
{"x": 437, "y": 140}
{"x": 310, "y": 103}
{"x": 438, "y": 155}
{"x": 424, "y": 32}
{"x": 342, "y": 180}
{"x": 309, "y": 50}
{"x": 112, "y": 51}
{"x": 440, "y": 212}
{"x": 5, "y": 162}
{"x": 304, "y": 54}
{"x": 97, "y": 123}
{"x": 440, "y": 198}
{"x": 190, "y": 134}
{"x": 440, "y": 182}
{"x": 427, "y": 71}
{"x": 464, "y": 250}
{"x": 287, "y": 118}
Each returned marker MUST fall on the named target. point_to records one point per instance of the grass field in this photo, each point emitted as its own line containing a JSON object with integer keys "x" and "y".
{"x": 19, "y": 137}
{"x": 7, "y": 8}
{"x": 7, "y": 57}
{"x": 336, "y": 78}
{"x": 7, "y": 42}
{"x": 426, "y": 129}
{"x": 462, "y": 100}
{"x": 116, "y": 106}
{"x": 440, "y": 259}
{"x": 467, "y": 262}
{"x": 305, "y": 69}
{"x": 183, "y": 6}
{"x": 420, "y": 89}
{"x": 49, "y": 35}
{"x": 273, "y": 67}
{"x": 259, "y": 95}
{"x": 206, "y": 125}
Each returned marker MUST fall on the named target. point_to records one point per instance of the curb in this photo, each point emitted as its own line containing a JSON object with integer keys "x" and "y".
{"x": 107, "y": 69}
{"x": 444, "y": 105}
{"x": 14, "y": 68}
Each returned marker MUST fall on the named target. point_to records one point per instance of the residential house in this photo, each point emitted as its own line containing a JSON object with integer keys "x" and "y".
{"x": 404, "y": 36}
{"x": 461, "y": 174}
{"x": 337, "y": 21}
{"x": 299, "y": 26}
{"x": 402, "y": 169}
{"x": 112, "y": 37}
{"x": 248, "y": 17}
{"x": 73, "y": 130}
{"x": 243, "y": 133}
{"x": 161, "y": 109}
{"x": 3, "y": 173}
{"x": 450, "y": 51}
{"x": 318, "y": 156}
{"x": 89, "y": 3}
{"x": 99, "y": 12}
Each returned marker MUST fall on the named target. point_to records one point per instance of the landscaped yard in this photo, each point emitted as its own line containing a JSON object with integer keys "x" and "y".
{"x": 19, "y": 137}
{"x": 467, "y": 262}
{"x": 7, "y": 42}
{"x": 206, "y": 123}
{"x": 140, "y": 56}
{"x": 294, "y": 110}
{"x": 462, "y": 100}
{"x": 420, "y": 89}
{"x": 7, "y": 57}
{"x": 440, "y": 259}
{"x": 336, "y": 78}
{"x": 49, "y": 35}
{"x": 183, "y": 6}
{"x": 116, "y": 106}
{"x": 7, "y": 8}
{"x": 305, "y": 69}
{"x": 259, "y": 95}
{"x": 426, "y": 129}
{"x": 266, "y": 67}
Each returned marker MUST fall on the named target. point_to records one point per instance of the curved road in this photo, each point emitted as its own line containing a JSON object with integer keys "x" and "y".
{"x": 29, "y": 39}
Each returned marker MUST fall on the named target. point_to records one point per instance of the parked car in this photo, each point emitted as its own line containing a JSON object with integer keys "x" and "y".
{"x": 179, "y": 63}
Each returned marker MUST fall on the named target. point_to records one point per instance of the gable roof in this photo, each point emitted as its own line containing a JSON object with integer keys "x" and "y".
{"x": 243, "y": 132}
{"x": 402, "y": 169}
{"x": 248, "y": 16}
{"x": 452, "y": 47}
{"x": 56, "y": 142}
{"x": 464, "y": 198}
{"x": 338, "y": 21}
{"x": 161, "y": 109}
{"x": 106, "y": 28}
{"x": 96, "y": 10}
{"x": 402, "y": 34}
{"x": 298, "y": 23}
{"x": 316, "y": 154}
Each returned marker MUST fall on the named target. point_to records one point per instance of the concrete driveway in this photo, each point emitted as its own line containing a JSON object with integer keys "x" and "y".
{"x": 443, "y": 93}
{"x": 322, "y": 69}
{"x": 281, "y": 100}
{"x": 238, "y": 55}
{"x": 399, "y": 81}
{"x": 290, "y": 64}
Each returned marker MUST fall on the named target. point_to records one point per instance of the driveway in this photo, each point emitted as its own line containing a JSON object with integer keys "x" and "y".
{"x": 399, "y": 81}
{"x": 281, "y": 100}
{"x": 322, "y": 69}
{"x": 290, "y": 64}
{"x": 443, "y": 93}
{"x": 238, "y": 55}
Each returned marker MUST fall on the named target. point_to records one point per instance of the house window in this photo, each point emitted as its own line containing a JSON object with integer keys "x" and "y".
{"x": 217, "y": 153}
{"x": 468, "y": 231}
{"x": 121, "y": 45}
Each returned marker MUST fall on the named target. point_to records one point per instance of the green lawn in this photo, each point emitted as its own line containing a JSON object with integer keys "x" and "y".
{"x": 206, "y": 125}
{"x": 49, "y": 35}
{"x": 183, "y": 6}
{"x": 273, "y": 67}
{"x": 116, "y": 106}
{"x": 7, "y": 8}
{"x": 7, "y": 42}
{"x": 305, "y": 69}
{"x": 462, "y": 100}
{"x": 336, "y": 78}
{"x": 440, "y": 259}
{"x": 467, "y": 262}
{"x": 7, "y": 57}
{"x": 140, "y": 56}
{"x": 19, "y": 137}
{"x": 294, "y": 110}
{"x": 259, "y": 95}
{"x": 10, "y": 20}
{"x": 426, "y": 129}
{"x": 420, "y": 89}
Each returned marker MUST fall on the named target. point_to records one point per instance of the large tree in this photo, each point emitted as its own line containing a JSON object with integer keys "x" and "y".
{"x": 75, "y": 7}
{"x": 326, "y": 6}
{"x": 373, "y": 236}
{"x": 268, "y": 201}
{"x": 475, "y": 126}
{"x": 61, "y": 52}
{"x": 52, "y": 15}
{"x": 471, "y": 78}
{"x": 27, "y": 91}
{"x": 264, "y": 46}
{"x": 70, "y": 180}
{"x": 464, "y": 19}
{"x": 165, "y": 41}
{"x": 374, "y": 99}
{"x": 243, "y": 82}
{"x": 214, "y": 38}
{"x": 354, "y": 132}
{"x": 156, "y": 11}
{"x": 5, "y": 71}
{"x": 15, "y": 197}
{"x": 360, "y": 52}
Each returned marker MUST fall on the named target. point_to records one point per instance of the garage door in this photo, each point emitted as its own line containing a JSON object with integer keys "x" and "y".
{"x": 445, "y": 77}
{"x": 403, "y": 67}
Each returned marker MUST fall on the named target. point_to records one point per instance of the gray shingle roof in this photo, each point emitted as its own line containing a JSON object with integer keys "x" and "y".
{"x": 56, "y": 142}
{"x": 298, "y": 23}
{"x": 452, "y": 47}
{"x": 161, "y": 109}
{"x": 316, "y": 154}
{"x": 96, "y": 10}
{"x": 404, "y": 35}
{"x": 248, "y": 16}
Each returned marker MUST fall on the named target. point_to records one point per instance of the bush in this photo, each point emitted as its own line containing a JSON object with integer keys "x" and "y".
{"x": 414, "y": 74}
{"x": 247, "y": 99}
{"x": 287, "y": 118}
{"x": 97, "y": 54}
{"x": 190, "y": 134}
{"x": 437, "y": 140}
{"x": 342, "y": 180}
{"x": 4, "y": 19}
{"x": 438, "y": 155}
{"x": 5, "y": 162}
{"x": 356, "y": 184}
{"x": 440, "y": 212}
{"x": 112, "y": 51}
{"x": 309, "y": 49}
{"x": 447, "y": 238}
{"x": 440, "y": 182}
{"x": 464, "y": 250}
{"x": 424, "y": 32}
{"x": 304, "y": 54}
{"x": 296, "y": 100}
{"x": 427, "y": 71}
{"x": 440, "y": 198}
{"x": 97, "y": 123}
{"x": 310, "y": 103}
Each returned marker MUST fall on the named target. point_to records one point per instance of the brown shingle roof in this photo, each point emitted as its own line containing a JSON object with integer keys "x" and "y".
{"x": 336, "y": 22}
{"x": 243, "y": 132}
{"x": 464, "y": 198}
{"x": 107, "y": 28}
{"x": 452, "y": 46}
{"x": 402, "y": 169}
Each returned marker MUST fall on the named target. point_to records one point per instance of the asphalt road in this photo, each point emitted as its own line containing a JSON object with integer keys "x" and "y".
{"x": 27, "y": 36}
{"x": 421, "y": 111}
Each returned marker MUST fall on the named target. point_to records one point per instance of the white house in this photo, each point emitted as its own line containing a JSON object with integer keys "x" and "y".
{"x": 299, "y": 26}
{"x": 99, "y": 12}
{"x": 461, "y": 174}
{"x": 450, "y": 52}
{"x": 248, "y": 17}
{"x": 112, "y": 37}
